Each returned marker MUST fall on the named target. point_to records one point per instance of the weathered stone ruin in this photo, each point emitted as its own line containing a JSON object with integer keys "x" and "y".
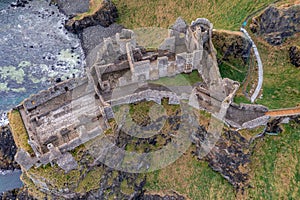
{"x": 76, "y": 111}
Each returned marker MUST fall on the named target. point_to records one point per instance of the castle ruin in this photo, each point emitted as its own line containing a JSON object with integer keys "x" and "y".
{"x": 74, "y": 112}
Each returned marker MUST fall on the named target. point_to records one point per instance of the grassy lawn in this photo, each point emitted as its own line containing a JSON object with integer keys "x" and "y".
{"x": 223, "y": 14}
{"x": 281, "y": 86}
{"x": 180, "y": 79}
{"x": 276, "y": 166}
{"x": 237, "y": 73}
{"x": 275, "y": 172}
{"x": 191, "y": 178}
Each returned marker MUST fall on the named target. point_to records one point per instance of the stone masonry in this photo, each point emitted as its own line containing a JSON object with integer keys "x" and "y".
{"x": 74, "y": 112}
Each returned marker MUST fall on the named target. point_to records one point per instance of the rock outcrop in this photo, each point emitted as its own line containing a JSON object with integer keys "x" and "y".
{"x": 73, "y": 7}
{"x": 8, "y": 150}
{"x": 104, "y": 16}
{"x": 19, "y": 3}
{"x": 231, "y": 46}
{"x": 92, "y": 36}
{"x": 16, "y": 194}
{"x": 172, "y": 196}
{"x": 230, "y": 156}
{"x": 276, "y": 24}
{"x": 294, "y": 53}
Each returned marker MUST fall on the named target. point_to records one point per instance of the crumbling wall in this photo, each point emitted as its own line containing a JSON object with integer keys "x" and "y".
{"x": 246, "y": 115}
{"x": 148, "y": 95}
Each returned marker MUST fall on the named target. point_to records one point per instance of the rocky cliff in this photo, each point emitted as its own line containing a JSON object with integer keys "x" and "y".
{"x": 71, "y": 8}
{"x": 104, "y": 15}
{"x": 21, "y": 194}
{"x": 275, "y": 24}
{"x": 8, "y": 150}
{"x": 230, "y": 156}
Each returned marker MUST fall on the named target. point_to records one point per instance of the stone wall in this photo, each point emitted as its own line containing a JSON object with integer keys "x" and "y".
{"x": 191, "y": 45}
{"x": 246, "y": 115}
{"x": 38, "y": 99}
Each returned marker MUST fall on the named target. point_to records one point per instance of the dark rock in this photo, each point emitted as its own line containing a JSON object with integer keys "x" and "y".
{"x": 276, "y": 24}
{"x": 8, "y": 150}
{"x": 273, "y": 126}
{"x": 105, "y": 16}
{"x": 93, "y": 36}
{"x": 73, "y": 7}
{"x": 19, "y": 3}
{"x": 231, "y": 46}
{"x": 58, "y": 80}
{"x": 172, "y": 196}
{"x": 230, "y": 156}
{"x": 294, "y": 53}
{"x": 20, "y": 193}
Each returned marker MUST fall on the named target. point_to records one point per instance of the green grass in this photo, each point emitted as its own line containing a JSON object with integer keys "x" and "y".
{"x": 275, "y": 172}
{"x": 150, "y": 37}
{"x": 191, "y": 178}
{"x": 19, "y": 132}
{"x": 281, "y": 86}
{"x": 237, "y": 73}
{"x": 55, "y": 177}
{"x": 180, "y": 79}
{"x": 241, "y": 99}
{"x": 223, "y": 14}
{"x": 276, "y": 166}
{"x": 91, "y": 181}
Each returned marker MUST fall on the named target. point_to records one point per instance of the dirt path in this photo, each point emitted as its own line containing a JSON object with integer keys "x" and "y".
{"x": 284, "y": 112}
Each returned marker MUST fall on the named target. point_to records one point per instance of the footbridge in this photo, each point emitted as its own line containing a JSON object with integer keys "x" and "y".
{"x": 284, "y": 112}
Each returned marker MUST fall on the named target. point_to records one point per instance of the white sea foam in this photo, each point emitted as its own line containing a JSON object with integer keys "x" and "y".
{"x": 3, "y": 119}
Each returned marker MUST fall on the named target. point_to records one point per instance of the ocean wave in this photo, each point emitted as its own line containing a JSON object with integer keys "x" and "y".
{"x": 3, "y": 119}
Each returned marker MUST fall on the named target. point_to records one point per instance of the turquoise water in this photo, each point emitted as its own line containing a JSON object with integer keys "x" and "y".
{"x": 10, "y": 181}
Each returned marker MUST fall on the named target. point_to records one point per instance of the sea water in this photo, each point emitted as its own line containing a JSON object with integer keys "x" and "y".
{"x": 10, "y": 180}
{"x": 36, "y": 51}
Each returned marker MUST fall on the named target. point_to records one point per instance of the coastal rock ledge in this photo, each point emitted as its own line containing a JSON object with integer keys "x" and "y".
{"x": 104, "y": 14}
{"x": 8, "y": 150}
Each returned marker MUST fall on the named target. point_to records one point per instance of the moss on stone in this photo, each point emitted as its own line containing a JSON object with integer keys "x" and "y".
{"x": 111, "y": 177}
{"x": 91, "y": 181}
{"x": 56, "y": 178}
{"x": 32, "y": 189}
{"x": 126, "y": 188}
